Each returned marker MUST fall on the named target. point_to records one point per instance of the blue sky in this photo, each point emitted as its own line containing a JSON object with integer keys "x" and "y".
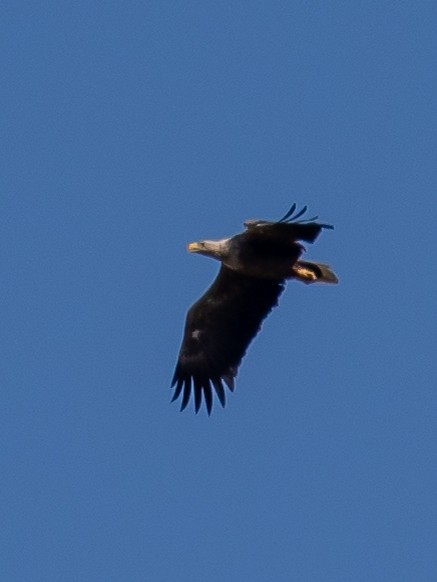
{"x": 130, "y": 129}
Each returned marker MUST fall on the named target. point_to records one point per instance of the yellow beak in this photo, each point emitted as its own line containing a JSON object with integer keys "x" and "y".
{"x": 193, "y": 247}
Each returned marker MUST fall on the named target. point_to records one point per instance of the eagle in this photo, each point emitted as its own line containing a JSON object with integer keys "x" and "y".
{"x": 255, "y": 264}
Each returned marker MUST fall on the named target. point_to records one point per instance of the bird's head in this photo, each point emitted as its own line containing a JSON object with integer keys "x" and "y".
{"x": 211, "y": 248}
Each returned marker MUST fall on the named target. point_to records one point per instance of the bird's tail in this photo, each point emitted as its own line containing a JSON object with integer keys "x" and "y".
{"x": 309, "y": 272}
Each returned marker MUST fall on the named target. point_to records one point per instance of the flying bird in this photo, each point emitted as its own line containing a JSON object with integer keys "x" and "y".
{"x": 220, "y": 326}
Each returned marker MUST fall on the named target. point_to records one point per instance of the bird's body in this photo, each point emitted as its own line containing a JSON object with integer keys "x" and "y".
{"x": 252, "y": 253}
{"x": 221, "y": 324}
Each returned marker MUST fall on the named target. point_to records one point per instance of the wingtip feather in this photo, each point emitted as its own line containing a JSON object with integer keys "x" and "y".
{"x": 178, "y": 390}
{"x": 220, "y": 391}
{"x": 187, "y": 393}
{"x": 207, "y": 393}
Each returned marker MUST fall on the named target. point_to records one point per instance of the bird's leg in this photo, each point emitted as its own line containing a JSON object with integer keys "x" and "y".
{"x": 304, "y": 274}
{"x": 310, "y": 272}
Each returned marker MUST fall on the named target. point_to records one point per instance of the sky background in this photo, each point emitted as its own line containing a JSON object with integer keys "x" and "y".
{"x": 131, "y": 128}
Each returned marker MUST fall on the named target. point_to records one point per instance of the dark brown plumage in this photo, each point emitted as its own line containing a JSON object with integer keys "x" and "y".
{"x": 223, "y": 322}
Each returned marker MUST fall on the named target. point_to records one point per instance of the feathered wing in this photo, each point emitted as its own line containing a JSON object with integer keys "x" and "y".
{"x": 289, "y": 227}
{"x": 293, "y": 231}
{"x": 218, "y": 330}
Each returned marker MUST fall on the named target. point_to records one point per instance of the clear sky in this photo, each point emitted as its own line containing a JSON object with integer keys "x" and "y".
{"x": 131, "y": 128}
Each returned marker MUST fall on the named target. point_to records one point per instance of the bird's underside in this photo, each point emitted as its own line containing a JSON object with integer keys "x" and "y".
{"x": 222, "y": 323}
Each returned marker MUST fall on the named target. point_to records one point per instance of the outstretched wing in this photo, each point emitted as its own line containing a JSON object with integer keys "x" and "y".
{"x": 218, "y": 330}
{"x": 288, "y": 228}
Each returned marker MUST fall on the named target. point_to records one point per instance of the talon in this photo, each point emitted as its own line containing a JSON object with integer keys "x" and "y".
{"x": 304, "y": 274}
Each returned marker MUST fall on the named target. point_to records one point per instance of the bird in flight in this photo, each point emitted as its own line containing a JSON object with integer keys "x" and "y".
{"x": 220, "y": 326}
